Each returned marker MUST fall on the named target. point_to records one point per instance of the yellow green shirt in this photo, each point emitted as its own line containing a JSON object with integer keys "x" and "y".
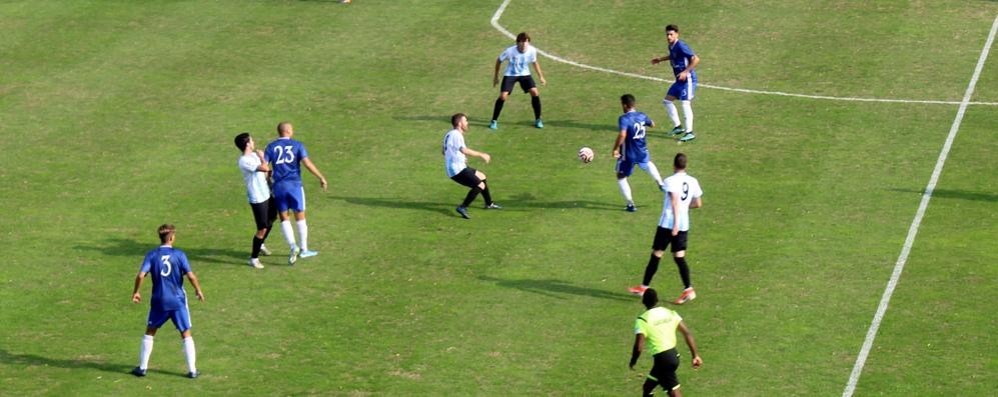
{"x": 658, "y": 325}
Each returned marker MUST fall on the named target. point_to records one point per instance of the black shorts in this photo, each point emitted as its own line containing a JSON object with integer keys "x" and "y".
{"x": 664, "y": 370}
{"x": 467, "y": 177}
{"x": 526, "y": 83}
{"x": 664, "y": 238}
{"x": 264, "y": 213}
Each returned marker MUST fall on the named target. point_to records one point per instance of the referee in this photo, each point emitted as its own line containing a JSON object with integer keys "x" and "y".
{"x": 657, "y": 327}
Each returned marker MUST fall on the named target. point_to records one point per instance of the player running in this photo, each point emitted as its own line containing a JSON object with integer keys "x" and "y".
{"x": 633, "y": 128}
{"x": 683, "y": 61}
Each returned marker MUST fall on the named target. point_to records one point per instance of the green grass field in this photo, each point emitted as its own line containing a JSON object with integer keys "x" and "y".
{"x": 118, "y": 116}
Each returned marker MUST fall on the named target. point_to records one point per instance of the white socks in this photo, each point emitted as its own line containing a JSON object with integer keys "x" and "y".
{"x": 653, "y": 171}
{"x": 625, "y": 189}
{"x": 673, "y": 113}
{"x": 190, "y": 354}
{"x": 145, "y": 351}
{"x": 303, "y": 234}
{"x": 289, "y": 234}
{"x": 688, "y": 115}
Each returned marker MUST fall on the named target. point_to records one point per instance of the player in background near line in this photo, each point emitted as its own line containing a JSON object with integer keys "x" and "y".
{"x": 682, "y": 192}
{"x": 657, "y": 328}
{"x": 633, "y": 128}
{"x": 168, "y": 266}
{"x": 520, "y": 57}
{"x": 254, "y": 171}
{"x": 684, "y": 63}
{"x": 285, "y": 156}
{"x": 455, "y": 152}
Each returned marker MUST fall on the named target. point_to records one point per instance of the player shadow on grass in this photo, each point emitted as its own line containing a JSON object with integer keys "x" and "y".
{"x": 443, "y": 208}
{"x": 35, "y": 360}
{"x": 526, "y": 123}
{"x": 522, "y": 202}
{"x": 136, "y": 249}
{"x": 954, "y": 194}
{"x": 555, "y": 288}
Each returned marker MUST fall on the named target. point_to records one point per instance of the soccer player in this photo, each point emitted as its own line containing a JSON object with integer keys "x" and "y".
{"x": 455, "y": 156}
{"x": 285, "y": 155}
{"x": 633, "y": 127}
{"x": 255, "y": 171}
{"x": 168, "y": 266}
{"x": 682, "y": 192}
{"x": 520, "y": 57}
{"x": 684, "y": 63}
{"x": 656, "y": 328}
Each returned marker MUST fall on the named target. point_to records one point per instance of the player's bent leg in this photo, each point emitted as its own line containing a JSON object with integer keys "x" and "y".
{"x": 648, "y": 388}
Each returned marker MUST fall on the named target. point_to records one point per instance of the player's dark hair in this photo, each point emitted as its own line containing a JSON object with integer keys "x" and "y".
{"x": 522, "y": 37}
{"x": 649, "y": 298}
{"x": 242, "y": 140}
{"x": 282, "y": 127}
{"x": 627, "y": 100}
{"x": 456, "y": 118}
{"x": 165, "y": 231}
{"x": 679, "y": 162}
{"x": 672, "y": 28}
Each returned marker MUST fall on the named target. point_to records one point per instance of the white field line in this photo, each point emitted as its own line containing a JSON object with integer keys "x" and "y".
{"x": 500, "y": 28}
{"x": 864, "y": 352}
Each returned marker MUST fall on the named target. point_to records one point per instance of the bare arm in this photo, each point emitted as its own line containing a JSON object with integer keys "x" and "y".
{"x": 639, "y": 345}
{"x": 197, "y": 285}
{"x": 618, "y": 143}
{"x": 136, "y": 297}
{"x": 315, "y": 171}
{"x": 540, "y": 74}
{"x": 697, "y": 203}
{"x": 495, "y": 75}
{"x": 697, "y": 361}
{"x": 472, "y": 152}
{"x": 656, "y": 61}
{"x": 675, "y": 213}
{"x": 689, "y": 69}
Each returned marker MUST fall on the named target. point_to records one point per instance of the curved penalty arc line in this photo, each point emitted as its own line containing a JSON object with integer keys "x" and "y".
{"x": 507, "y": 33}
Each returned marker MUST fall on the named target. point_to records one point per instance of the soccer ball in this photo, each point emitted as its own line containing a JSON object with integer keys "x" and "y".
{"x": 586, "y": 154}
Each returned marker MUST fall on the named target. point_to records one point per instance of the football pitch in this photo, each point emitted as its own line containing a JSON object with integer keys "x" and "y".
{"x": 846, "y": 151}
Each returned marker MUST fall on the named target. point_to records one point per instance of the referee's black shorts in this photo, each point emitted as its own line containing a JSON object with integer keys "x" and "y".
{"x": 664, "y": 370}
{"x": 467, "y": 177}
{"x": 526, "y": 83}
{"x": 664, "y": 238}
{"x": 264, "y": 213}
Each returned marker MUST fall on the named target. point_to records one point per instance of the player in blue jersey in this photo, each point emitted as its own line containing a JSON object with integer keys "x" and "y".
{"x": 285, "y": 156}
{"x": 520, "y": 57}
{"x": 633, "y": 127}
{"x": 167, "y": 266}
{"x": 255, "y": 171}
{"x": 684, "y": 62}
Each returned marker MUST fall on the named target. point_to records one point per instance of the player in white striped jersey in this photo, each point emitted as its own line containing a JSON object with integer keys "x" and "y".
{"x": 255, "y": 170}
{"x": 520, "y": 57}
{"x": 682, "y": 193}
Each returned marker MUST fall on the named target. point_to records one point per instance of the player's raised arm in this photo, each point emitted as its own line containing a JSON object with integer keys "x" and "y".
{"x": 472, "y": 152}
{"x": 656, "y": 61}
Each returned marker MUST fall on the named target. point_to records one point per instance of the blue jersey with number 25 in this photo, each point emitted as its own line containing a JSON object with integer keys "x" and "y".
{"x": 635, "y": 147}
{"x": 167, "y": 267}
{"x": 285, "y": 155}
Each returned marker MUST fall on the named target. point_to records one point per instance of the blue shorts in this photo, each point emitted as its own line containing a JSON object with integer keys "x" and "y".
{"x": 683, "y": 90}
{"x": 626, "y": 167}
{"x": 181, "y": 318}
{"x": 289, "y": 196}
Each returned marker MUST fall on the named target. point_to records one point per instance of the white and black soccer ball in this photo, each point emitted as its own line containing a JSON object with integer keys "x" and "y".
{"x": 586, "y": 155}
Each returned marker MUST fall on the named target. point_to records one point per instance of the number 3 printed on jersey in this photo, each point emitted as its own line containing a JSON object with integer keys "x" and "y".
{"x": 285, "y": 154}
{"x": 167, "y": 266}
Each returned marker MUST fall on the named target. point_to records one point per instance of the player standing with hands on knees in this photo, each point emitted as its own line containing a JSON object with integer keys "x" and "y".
{"x": 285, "y": 156}
{"x": 168, "y": 266}
{"x": 656, "y": 328}
{"x": 455, "y": 161}
{"x": 684, "y": 63}
{"x": 520, "y": 57}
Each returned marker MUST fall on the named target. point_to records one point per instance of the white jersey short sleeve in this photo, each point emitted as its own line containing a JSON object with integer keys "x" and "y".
{"x": 454, "y": 159}
{"x": 687, "y": 188}
{"x": 256, "y": 182}
{"x": 519, "y": 63}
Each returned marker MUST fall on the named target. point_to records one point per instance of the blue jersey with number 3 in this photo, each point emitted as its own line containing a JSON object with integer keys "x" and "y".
{"x": 285, "y": 155}
{"x": 635, "y": 147}
{"x": 167, "y": 267}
